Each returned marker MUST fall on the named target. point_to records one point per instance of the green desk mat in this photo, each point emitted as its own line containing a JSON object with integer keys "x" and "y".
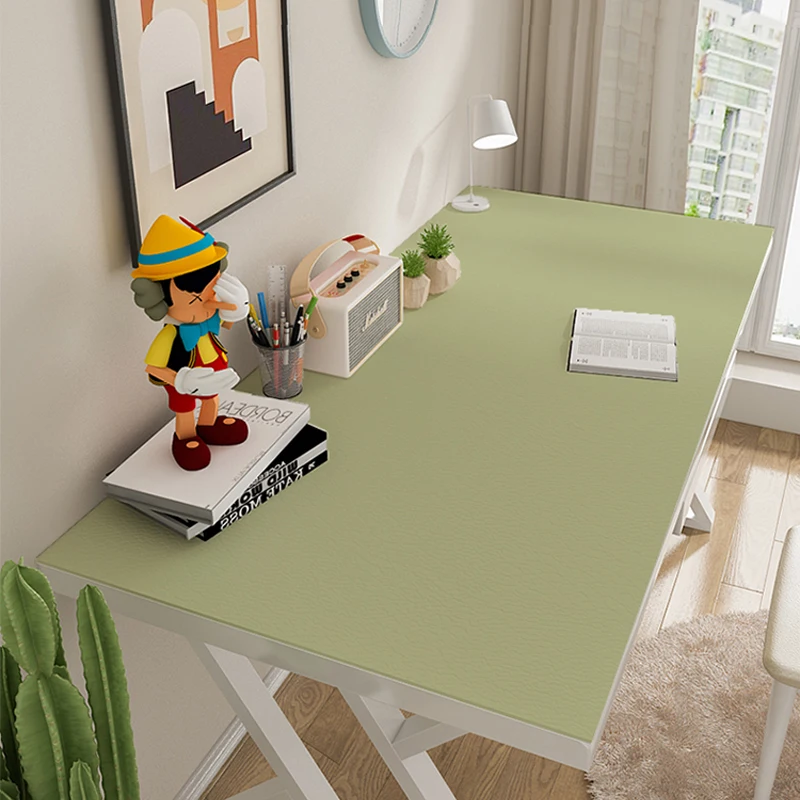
{"x": 487, "y": 524}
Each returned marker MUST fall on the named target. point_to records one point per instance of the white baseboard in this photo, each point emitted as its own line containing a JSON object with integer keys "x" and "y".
{"x": 208, "y": 768}
{"x": 764, "y": 391}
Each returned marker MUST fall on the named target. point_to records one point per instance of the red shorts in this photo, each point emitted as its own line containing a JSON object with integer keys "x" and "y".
{"x": 181, "y": 403}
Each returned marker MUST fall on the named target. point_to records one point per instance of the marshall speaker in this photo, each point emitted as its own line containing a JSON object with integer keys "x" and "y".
{"x": 359, "y": 302}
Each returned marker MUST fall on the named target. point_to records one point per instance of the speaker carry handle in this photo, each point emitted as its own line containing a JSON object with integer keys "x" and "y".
{"x": 300, "y": 284}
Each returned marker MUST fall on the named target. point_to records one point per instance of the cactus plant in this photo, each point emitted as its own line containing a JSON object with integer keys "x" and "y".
{"x": 52, "y": 744}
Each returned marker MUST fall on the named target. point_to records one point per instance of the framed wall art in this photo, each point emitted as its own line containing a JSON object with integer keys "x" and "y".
{"x": 203, "y": 105}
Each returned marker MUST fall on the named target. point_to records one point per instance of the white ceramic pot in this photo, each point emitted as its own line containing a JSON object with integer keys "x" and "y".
{"x": 415, "y": 291}
{"x": 443, "y": 272}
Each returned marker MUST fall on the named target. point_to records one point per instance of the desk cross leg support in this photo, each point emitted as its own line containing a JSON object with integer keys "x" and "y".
{"x": 402, "y": 743}
{"x": 299, "y": 777}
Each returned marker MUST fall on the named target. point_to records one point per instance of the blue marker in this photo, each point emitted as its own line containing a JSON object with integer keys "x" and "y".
{"x": 262, "y": 307}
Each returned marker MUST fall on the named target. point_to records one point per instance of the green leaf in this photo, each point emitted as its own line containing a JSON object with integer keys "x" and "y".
{"x": 436, "y": 242}
{"x": 81, "y": 783}
{"x": 53, "y": 731}
{"x": 413, "y": 263}
{"x": 26, "y": 624}
{"x": 10, "y": 680}
{"x": 39, "y": 583}
{"x": 8, "y": 791}
{"x": 107, "y": 688}
{"x": 4, "y": 776}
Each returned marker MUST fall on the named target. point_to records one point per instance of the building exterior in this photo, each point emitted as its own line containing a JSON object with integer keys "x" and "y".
{"x": 737, "y": 56}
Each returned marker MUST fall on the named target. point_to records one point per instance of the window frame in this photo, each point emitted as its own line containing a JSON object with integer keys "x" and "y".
{"x": 779, "y": 184}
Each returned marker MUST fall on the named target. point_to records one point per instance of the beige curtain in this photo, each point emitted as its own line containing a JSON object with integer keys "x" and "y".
{"x": 603, "y": 107}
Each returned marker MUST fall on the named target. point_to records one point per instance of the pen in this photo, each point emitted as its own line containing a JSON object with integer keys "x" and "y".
{"x": 258, "y": 335}
{"x": 298, "y": 326}
{"x": 311, "y": 304}
{"x": 287, "y": 334}
{"x": 276, "y": 337}
{"x": 262, "y": 305}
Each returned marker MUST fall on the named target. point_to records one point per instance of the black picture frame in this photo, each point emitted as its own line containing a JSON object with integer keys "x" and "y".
{"x": 116, "y": 85}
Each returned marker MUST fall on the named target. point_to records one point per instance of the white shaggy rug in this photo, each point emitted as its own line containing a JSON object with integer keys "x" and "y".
{"x": 688, "y": 720}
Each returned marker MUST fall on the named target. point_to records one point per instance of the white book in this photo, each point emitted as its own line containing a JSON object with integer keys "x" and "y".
{"x": 623, "y": 343}
{"x": 151, "y": 476}
{"x": 307, "y": 451}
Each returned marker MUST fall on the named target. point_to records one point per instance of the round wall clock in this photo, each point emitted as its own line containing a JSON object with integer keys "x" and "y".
{"x": 397, "y": 28}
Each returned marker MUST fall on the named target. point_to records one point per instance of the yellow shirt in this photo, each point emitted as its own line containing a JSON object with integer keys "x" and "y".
{"x": 160, "y": 349}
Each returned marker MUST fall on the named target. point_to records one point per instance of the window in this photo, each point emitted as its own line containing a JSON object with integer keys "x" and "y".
{"x": 743, "y": 164}
{"x": 749, "y": 144}
{"x": 736, "y": 183}
{"x": 736, "y": 69}
{"x": 702, "y": 155}
{"x": 737, "y": 205}
{"x": 708, "y": 134}
{"x": 722, "y": 66}
{"x": 735, "y": 95}
{"x": 750, "y": 120}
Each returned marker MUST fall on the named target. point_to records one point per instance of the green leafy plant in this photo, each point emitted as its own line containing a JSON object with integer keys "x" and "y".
{"x": 52, "y": 744}
{"x": 435, "y": 241}
{"x": 413, "y": 263}
{"x": 692, "y": 210}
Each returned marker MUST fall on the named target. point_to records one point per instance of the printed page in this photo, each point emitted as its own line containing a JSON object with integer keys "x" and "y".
{"x": 624, "y": 325}
{"x": 614, "y": 356}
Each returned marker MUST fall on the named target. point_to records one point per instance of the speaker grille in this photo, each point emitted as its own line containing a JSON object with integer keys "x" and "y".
{"x": 368, "y": 324}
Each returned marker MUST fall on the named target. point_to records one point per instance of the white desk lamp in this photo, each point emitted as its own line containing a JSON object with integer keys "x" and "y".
{"x": 489, "y": 127}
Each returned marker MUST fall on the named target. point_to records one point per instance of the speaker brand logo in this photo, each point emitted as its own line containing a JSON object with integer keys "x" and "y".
{"x": 376, "y": 313}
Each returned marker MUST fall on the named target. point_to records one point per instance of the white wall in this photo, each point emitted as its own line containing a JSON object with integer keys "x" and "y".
{"x": 380, "y": 147}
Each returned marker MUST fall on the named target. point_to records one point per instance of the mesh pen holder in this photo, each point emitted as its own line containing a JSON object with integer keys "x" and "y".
{"x": 281, "y": 370}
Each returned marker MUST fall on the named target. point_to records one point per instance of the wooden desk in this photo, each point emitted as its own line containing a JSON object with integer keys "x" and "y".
{"x": 480, "y": 546}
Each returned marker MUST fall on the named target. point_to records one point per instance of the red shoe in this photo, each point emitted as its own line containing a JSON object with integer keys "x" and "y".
{"x": 225, "y": 430}
{"x": 191, "y": 454}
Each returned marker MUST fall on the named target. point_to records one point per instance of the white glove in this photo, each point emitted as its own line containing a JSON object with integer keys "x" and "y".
{"x": 204, "y": 381}
{"x": 230, "y": 289}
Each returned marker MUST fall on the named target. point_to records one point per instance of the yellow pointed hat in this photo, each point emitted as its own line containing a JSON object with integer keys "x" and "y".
{"x": 172, "y": 248}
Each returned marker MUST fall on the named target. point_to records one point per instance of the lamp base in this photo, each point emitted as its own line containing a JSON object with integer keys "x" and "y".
{"x": 472, "y": 204}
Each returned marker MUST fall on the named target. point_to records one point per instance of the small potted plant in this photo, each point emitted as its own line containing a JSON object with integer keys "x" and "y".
{"x": 416, "y": 284}
{"x": 442, "y": 264}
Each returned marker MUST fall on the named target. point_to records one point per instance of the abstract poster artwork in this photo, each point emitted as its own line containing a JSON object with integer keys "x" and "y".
{"x": 204, "y": 109}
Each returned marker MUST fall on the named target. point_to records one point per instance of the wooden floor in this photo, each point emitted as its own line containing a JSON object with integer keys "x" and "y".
{"x": 753, "y": 478}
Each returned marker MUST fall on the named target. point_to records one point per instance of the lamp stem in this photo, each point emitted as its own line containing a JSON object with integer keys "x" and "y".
{"x": 469, "y": 145}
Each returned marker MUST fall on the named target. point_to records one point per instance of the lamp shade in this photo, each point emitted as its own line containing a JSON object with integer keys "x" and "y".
{"x": 492, "y": 125}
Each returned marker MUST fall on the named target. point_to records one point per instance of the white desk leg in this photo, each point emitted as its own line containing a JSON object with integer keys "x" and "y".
{"x": 701, "y": 512}
{"x": 299, "y": 777}
{"x": 416, "y": 774}
{"x": 697, "y": 514}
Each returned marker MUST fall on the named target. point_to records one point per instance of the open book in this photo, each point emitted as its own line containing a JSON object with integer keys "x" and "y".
{"x": 623, "y": 343}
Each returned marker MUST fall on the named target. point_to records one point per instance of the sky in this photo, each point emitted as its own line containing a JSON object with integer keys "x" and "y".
{"x": 777, "y": 9}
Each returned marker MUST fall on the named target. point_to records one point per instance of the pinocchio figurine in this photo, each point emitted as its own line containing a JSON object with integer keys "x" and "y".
{"x": 181, "y": 279}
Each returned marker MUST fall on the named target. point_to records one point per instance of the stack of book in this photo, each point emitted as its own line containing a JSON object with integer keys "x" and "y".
{"x": 281, "y": 448}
